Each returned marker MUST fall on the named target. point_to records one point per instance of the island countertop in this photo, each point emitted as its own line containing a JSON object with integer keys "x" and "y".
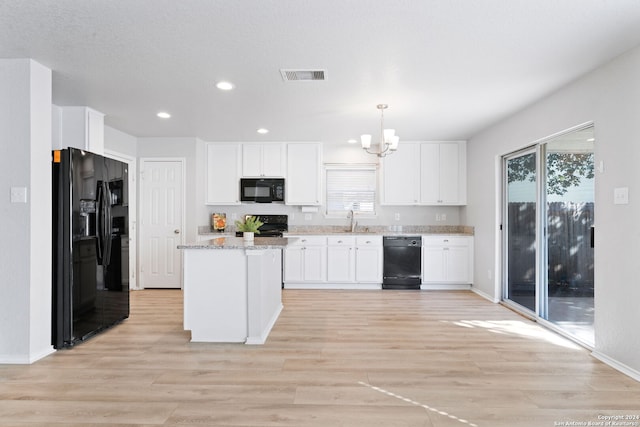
{"x": 231, "y": 242}
{"x": 234, "y": 293}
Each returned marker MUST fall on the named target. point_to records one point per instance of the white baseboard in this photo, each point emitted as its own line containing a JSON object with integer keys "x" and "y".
{"x": 485, "y": 295}
{"x": 444, "y": 287}
{"x": 11, "y": 359}
{"x": 265, "y": 333}
{"x": 617, "y": 365}
{"x": 352, "y": 286}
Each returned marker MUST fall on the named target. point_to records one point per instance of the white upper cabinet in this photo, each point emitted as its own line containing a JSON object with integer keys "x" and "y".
{"x": 426, "y": 173}
{"x": 443, "y": 168}
{"x": 223, "y": 174}
{"x": 263, "y": 160}
{"x": 304, "y": 172}
{"x": 400, "y": 176}
{"x": 78, "y": 127}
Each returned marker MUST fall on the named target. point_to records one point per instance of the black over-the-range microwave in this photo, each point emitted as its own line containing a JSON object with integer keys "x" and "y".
{"x": 262, "y": 190}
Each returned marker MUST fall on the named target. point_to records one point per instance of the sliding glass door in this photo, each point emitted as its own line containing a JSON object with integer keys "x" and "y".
{"x": 569, "y": 204}
{"x": 548, "y": 218}
{"x": 520, "y": 228}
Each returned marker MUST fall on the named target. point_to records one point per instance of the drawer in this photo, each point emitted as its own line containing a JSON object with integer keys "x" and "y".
{"x": 445, "y": 240}
{"x": 307, "y": 240}
{"x": 341, "y": 241}
{"x": 369, "y": 241}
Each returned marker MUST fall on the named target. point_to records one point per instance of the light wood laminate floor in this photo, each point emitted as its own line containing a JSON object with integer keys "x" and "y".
{"x": 334, "y": 358}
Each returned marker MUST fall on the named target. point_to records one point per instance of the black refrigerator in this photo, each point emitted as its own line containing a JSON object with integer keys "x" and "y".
{"x": 90, "y": 245}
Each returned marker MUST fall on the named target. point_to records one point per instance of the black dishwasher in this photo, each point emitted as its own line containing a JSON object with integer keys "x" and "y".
{"x": 402, "y": 267}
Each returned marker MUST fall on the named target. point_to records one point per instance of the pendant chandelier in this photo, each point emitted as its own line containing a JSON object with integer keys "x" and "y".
{"x": 388, "y": 138}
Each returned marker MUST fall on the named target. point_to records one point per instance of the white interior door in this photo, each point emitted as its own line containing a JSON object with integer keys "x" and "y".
{"x": 161, "y": 228}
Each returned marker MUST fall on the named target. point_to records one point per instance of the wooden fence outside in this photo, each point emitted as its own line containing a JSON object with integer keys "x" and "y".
{"x": 570, "y": 254}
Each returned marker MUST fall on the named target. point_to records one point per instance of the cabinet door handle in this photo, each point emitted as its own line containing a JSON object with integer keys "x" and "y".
{"x": 176, "y": 231}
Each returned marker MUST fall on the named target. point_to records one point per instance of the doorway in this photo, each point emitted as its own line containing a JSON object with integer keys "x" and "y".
{"x": 162, "y": 222}
{"x": 548, "y": 220}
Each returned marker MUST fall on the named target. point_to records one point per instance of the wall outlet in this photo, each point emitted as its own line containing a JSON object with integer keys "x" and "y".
{"x": 621, "y": 196}
{"x": 397, "y": 217}
{"x": 234, "y": 216}
{"x": 443, "y": 217}
{"x": 307, "y": 217}
{"x": 18, "y": 194}
{"x": 489, "y": 274}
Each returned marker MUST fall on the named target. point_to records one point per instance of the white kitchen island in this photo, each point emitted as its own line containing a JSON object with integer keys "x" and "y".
{"x": 232, "y": 289}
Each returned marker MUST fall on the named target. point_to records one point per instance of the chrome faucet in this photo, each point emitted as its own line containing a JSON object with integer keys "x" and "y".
{"x": 354, "y": 224}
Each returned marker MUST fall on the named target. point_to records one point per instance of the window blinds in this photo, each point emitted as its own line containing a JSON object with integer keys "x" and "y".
{"x": 351, "y": 189}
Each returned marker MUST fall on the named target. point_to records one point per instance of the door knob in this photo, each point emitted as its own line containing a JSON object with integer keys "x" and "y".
{"x": 176, "y": 231}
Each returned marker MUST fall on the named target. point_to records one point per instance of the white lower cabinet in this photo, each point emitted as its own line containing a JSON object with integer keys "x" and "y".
{"x": 333, "y": 262}
{"x": 369, "y": 259}
{"x": 355, "y": 262}
{"x": 305, "y": 260}
{"x": 341, "y": 260}
{"x": 447, "y": 262}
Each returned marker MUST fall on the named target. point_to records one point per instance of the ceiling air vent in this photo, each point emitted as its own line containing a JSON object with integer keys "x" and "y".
{"x": 303, "y": 75}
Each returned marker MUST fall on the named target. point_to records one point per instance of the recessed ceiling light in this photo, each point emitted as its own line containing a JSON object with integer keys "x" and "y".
{"x": 163, "y": 115}
{"x": 224, "y": 85}
{"x": 352, "y": 141}
{"x": 263, "y": 131}
{"x": 591, "y": 139}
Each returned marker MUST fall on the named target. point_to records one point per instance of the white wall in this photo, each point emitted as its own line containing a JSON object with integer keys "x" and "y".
{"x": 610, "y": 98}
{"x": 25, "y": 265}
{"x": 120, "y": 142}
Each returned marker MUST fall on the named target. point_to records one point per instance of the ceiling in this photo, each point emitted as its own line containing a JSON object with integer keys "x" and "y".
{"x": 447, "y": 68}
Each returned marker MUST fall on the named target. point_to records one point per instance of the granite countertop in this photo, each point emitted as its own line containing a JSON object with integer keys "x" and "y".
{"x": 231, "y": 242}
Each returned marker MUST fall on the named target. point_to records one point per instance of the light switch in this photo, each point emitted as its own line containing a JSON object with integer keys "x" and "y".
{"x": 18, "y": 194}
{"x": 621, "y": 196}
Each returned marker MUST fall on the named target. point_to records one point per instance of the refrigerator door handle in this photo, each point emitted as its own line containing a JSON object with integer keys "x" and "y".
{"x": 108, "y": 226}
{"x": 100, "y": 226}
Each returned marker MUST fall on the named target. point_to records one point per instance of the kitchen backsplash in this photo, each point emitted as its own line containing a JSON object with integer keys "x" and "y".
{"x": 330, "y": 229}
